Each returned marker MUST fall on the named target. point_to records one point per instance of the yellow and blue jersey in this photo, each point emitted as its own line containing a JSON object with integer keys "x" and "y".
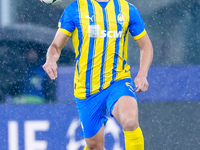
{"x": 100, "y": 39}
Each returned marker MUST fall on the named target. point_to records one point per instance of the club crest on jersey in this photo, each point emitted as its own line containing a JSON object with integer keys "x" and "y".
{"x": 120, "y": 18}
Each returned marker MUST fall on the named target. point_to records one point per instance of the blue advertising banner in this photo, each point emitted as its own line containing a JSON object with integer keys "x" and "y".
{"x": 49, "y": 127}
{"x": 166, "y": 83}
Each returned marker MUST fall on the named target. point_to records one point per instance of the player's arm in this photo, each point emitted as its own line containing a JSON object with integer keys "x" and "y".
{"x": 146, "y": 56}
{"x": 53, "y": 54}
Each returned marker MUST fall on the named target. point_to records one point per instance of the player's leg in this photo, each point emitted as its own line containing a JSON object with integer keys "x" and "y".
{"x": 96, "y": 142}
{"x": 125, "y": 111}
{"x": 92, "y": 114}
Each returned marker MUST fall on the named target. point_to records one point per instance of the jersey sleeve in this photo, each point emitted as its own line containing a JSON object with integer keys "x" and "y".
{"x": 66, "y": 23}
{"x": 136, "y": 24}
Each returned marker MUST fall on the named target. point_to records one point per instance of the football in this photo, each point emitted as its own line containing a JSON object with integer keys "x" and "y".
{"x": 51, "y": 2}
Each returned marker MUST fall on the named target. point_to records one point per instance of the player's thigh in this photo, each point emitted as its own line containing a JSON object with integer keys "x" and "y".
{"x": 92, "y": 114}
{"x": 125, "y": 111}
{"x": 97, "y": 141}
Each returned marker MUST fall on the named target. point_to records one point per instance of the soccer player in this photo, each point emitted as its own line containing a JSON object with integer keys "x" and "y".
{"x": 102, "y": 82}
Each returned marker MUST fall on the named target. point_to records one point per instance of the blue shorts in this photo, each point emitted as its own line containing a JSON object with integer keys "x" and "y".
{"x": 93, "y": 110}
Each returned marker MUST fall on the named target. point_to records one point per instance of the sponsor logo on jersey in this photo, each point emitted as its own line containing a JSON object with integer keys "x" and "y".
{"x": 94, "y": 31}
{"x": 111, "y": 34}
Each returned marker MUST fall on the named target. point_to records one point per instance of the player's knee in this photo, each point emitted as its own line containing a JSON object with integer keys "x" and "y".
{"x": 94, "y": 145}
{"x": 130, "y": 124}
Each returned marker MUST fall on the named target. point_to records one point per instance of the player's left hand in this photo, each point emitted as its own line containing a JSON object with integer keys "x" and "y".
{"x": 141, "y": 84}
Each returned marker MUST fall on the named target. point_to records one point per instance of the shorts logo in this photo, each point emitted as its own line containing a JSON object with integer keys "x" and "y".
{"x": 128, "y": 84}
{"x": 59, "y": 24}
{"x": 120, "y": 18}
{"x": 130, "y": 87}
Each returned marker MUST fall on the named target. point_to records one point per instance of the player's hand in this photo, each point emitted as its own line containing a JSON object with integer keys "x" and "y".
{"x": 141, "y": 84}
{"x": 50, "y": 67}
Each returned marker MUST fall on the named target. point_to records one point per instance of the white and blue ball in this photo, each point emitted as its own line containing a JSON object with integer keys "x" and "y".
{"x": 51, "y": 2}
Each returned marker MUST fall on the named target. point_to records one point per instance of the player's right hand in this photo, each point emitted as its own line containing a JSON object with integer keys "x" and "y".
{"x": 141, "y": 83}
{"x": 50, "y": 67}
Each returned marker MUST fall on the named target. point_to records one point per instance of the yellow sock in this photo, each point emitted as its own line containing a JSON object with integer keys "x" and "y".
{"x": 85, "y": 148}
{"x": 134, "y": 139}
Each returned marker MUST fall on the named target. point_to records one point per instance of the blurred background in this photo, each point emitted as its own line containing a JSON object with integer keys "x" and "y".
{"x": 169, "y": 111}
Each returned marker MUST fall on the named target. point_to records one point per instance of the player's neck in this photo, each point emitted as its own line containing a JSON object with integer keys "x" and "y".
{"x": 102, "y": 0}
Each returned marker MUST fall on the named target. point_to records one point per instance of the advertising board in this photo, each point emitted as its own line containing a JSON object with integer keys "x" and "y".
{"x": 49, "y": 127}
